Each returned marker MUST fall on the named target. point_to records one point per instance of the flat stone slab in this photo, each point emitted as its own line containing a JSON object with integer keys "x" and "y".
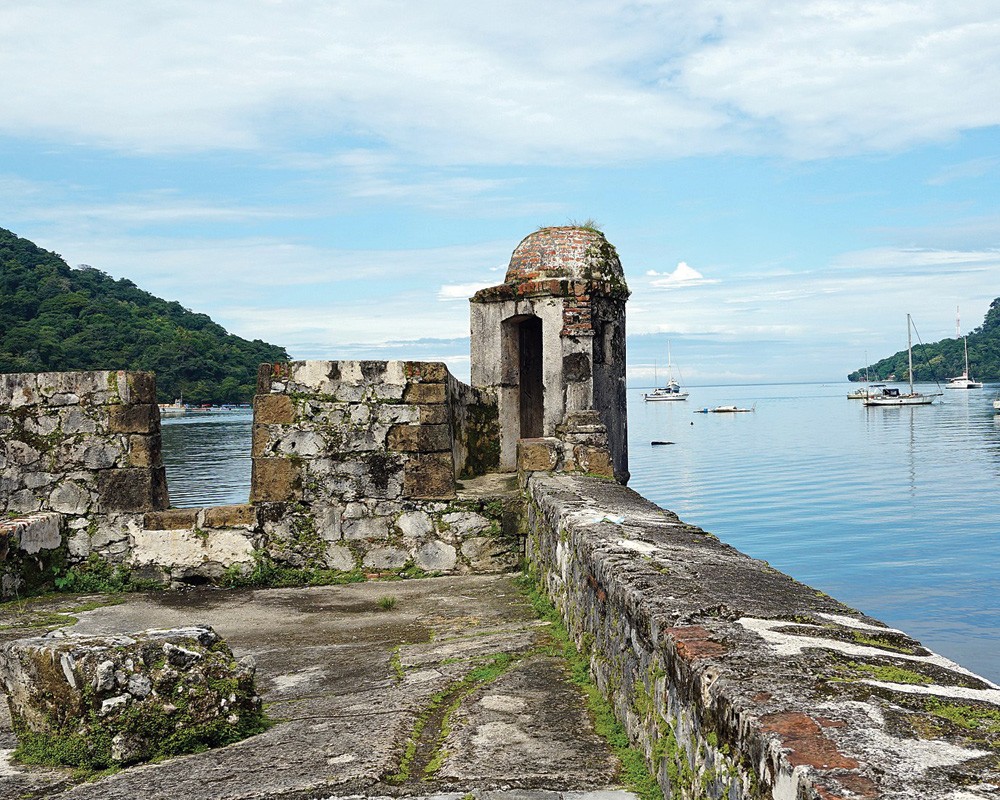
{"x": 348, "y": 671}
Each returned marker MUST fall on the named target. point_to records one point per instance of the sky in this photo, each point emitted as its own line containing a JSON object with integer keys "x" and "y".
{"x": 784, "y": 180}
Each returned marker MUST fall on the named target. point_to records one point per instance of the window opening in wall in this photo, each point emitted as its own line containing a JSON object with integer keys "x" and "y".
{"x": 530, "y": 377}
{"x": 207, "y": 457}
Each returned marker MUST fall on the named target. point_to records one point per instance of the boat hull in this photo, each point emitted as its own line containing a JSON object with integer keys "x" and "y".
{"x": 657, "y": 398}
{"x": 902, "y": 400}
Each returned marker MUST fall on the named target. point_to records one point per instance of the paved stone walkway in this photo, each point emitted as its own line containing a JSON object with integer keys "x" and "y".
{"x": 348, "y": 673}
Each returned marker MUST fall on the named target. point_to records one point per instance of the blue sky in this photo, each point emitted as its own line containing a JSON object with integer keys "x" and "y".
{"x": 784, "y": 181}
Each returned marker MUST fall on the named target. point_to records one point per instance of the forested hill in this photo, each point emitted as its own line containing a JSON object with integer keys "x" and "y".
{"x": 946, "y": 359}
{"x": 53, "y": 318}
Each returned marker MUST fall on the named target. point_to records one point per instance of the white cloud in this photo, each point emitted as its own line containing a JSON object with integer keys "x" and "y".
{"x": 683, "y": 275}
{"x": 461, "y": 291}
{"x": 448, "y": 82}
{"x": 920, "y": 259}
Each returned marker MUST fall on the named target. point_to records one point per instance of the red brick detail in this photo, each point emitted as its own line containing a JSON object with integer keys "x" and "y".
{"x": 802, "y": 736}
{"x": 694, "y": 642}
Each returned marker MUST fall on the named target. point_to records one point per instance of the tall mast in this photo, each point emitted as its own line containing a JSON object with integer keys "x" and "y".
{"x": 909, "y": 352}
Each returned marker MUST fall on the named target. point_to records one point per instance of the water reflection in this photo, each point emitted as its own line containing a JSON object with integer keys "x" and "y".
{"x": 207, "y": 458}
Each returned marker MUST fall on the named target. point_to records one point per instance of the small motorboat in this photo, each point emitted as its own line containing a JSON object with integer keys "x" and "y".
{"x": 725, "y": 410}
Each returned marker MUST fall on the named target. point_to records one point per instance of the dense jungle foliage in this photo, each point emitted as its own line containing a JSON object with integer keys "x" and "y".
{"x": 53, "y": 318}
{"x": 946, "y": 359}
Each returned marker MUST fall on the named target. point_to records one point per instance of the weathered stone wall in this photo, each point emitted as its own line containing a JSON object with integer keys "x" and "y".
{"x": 355, "y": 464}
{"x": 740, "y": 682}
{"x": 80, "y": 443}
{"x": 355, "y": 467}
{"x": 85, "y": 445}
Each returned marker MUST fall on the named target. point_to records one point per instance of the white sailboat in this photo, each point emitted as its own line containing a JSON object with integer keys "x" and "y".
{"x": 672, "y": 389}
{"x": 890, "y": 396}
{"x": 963, "y": 381}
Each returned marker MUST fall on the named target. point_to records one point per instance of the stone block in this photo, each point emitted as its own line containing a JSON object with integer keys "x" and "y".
{"x": 141, "y": 387}
{"x": 370, "y": 528}
{"x": 132, "y": 490}
{"x": 101, "y": 455}
{"x": 144, "y": 451}
{"x": 192, "y": 551}
{"x": 298, "y": 442}
{"x": 276, "y": 480}
{"x": 425, "y": 393}
{"x": 172, "y": 519}
{"x": 434, "y": 415}
{"x": 415, "y": 524}
{"x": 70, "y": 497}
{"x": 340, "y": 558}
{"x": 419, "y": 438}
{"x": 429, "y": 477}
{"x": 594, "y": 460}
{"x": 273, "y": 409}
{"x": 264, "y": 379}
{"x": 538, "y": 455}
{"x": 435, "y": 556}
{"x": 141, "y": 418}
{"x": 260, "y": 438}
{"x": 116, "y": 697}
{"x": 235, "y": 516}
{"x": 33, "y": 533}
{"x": 386, "y": 558}
{"x": 425, "y": 371}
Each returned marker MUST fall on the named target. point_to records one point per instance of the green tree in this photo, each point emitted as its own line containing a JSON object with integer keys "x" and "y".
{"x": 55, "y": 318}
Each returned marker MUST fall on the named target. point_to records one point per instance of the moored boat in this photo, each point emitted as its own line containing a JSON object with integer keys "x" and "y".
{"x": 963, "y": 381}
{"x": 173, "y": 409}
{"x": 671, "y": 390}
{"x": 891, "y": 396}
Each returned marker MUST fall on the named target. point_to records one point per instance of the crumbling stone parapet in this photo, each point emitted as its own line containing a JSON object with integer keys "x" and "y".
{"x": 92, "y": 701}
{"x": 737, "y": 681}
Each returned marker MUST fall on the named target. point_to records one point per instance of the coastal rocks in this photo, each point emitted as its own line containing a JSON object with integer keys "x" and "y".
{"x": 100, "y": 701}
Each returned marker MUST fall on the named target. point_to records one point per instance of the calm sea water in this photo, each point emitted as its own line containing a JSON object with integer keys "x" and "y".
{"x": 894, "y": 511}
{"x": 207, "y": 457}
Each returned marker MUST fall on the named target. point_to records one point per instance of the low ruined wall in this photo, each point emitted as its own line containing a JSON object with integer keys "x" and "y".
{"x": 80, "y": 443}
{"x": 739, "y": 682}
{"x": 85, "y": 445}
{"x": 355, "y": 467}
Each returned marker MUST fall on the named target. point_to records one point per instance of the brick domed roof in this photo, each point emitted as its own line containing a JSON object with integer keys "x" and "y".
{"x": 565, "y": 253}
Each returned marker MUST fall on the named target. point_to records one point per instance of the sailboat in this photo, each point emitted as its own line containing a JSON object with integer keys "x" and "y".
{"x": 963, "y": 381}
{"x": 890, "y": 396}
{"x": 672, "y": 389}
{"x": 869, "y": 388}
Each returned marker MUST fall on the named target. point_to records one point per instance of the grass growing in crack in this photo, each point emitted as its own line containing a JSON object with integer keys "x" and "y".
{"x": 635, "y": 773}
{"x": 451, "y": 697}
{"x": 386, "y": 603}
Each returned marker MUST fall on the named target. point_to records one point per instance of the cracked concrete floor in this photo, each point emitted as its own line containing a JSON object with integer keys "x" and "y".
{"x": 347, "y": 680}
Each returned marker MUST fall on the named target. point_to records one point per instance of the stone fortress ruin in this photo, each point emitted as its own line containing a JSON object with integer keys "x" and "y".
{"x": 733, "y": 679}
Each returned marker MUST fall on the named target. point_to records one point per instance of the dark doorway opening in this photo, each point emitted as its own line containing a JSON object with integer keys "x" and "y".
{"x": 530, "y": 377}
